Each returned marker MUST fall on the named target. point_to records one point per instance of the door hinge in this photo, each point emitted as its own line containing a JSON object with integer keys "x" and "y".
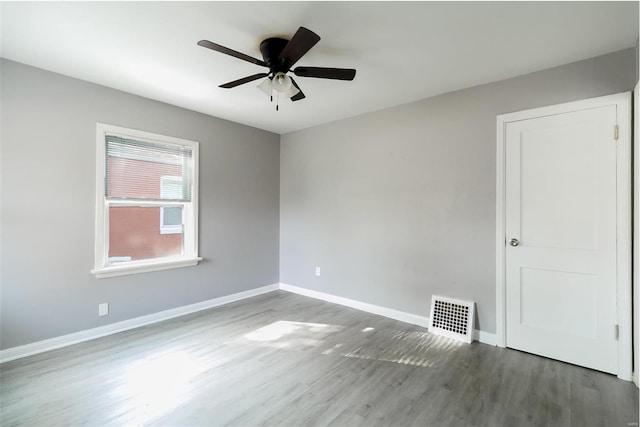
{"x": 616, "y": 331}
{"x": 615, "y": 132}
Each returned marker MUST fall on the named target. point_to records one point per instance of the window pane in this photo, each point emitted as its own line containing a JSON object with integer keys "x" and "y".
{"x": 171, "y": 187}
{"x": 136, "y": 169}
{"x": 172, "y": 215}
{"x": 135, "y": 233}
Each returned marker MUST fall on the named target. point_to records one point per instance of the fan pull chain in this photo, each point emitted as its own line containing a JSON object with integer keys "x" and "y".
{"x": 277, "y": 101}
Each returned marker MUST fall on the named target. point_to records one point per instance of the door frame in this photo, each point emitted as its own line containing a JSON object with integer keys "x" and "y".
{"x": 636, "y": 231}
{"x": 622, "y": 101}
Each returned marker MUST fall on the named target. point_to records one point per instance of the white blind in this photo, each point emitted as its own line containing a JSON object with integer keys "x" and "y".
{"x": 135, "y": 169}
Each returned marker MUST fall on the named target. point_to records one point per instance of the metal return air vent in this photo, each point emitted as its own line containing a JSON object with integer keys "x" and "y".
{"x": 452, "y": 318}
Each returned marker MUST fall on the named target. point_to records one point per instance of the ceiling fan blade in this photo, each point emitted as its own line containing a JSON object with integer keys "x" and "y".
{"x": 326, "y": 73}
{"x": 243, "y": 80}
{"x": 298, "y": 96}
{"x": 303, "y": 40}
{"x": 226, "y": 50}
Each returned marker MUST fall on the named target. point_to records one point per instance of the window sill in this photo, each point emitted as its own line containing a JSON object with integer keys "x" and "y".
{"x": 144, "y": 267}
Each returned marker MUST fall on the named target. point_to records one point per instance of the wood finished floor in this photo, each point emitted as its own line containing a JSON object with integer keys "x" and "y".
{"x": 283, "y": 359}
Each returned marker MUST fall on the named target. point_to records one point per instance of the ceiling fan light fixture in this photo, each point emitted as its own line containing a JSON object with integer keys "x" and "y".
{"x": 293, "y": 91}
{"x": 281, "y": 82}
{"x": 266, "y": 86}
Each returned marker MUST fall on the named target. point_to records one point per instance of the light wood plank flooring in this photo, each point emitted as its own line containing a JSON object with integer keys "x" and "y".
{"x": 283, "y": 359}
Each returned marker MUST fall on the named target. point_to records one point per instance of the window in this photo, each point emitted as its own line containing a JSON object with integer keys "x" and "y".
{"x": 146, "y": 213}
{"x": 171, "y": 216}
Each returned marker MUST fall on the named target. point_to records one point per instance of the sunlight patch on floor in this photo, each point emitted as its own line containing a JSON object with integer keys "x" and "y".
{"x": 330, "y": 350}
{"x": 415, "y": 348}
{"x": 406, "y": 348}
{"x": 155, "y": 385}
{"x": 289, "y": 334}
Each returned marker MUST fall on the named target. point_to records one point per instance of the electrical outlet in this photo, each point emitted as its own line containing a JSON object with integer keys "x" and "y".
{"x": 318, "y": 271}
{"x": 103, "y": 309}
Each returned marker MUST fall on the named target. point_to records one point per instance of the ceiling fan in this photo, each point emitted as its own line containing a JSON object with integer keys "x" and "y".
{"x": 279, "y": 55}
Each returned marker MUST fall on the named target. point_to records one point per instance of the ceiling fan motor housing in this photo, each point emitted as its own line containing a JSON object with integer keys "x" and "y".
{"x": 271, "y": 49}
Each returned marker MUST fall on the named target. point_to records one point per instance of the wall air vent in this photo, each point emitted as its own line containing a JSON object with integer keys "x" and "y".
{"x": 452, "y": 318}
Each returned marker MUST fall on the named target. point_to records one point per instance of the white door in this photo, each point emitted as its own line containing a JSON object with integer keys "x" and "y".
{"x": 560, "y": 225}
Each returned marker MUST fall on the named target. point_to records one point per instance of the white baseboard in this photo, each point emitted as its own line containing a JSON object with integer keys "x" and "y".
{"x": 485, "y": 337}
{"x": 403, "y": 316}
{"x": 113, "y": 328}
{"x": 125, "y": 325}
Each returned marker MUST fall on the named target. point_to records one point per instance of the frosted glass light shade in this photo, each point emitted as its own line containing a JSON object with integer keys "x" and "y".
{"x": 281, "y": 83}
{"x": 266, "y": 86}
{"x": 292, "y": 91}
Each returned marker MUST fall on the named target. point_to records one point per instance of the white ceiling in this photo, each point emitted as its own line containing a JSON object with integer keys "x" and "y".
{"x": 403, "y": 51}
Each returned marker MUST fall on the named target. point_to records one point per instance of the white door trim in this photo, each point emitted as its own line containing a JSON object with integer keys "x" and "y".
{"x": 636, "y": 227}
{"x": 622, "y": 101}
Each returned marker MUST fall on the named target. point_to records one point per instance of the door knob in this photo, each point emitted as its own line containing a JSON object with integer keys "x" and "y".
{"x": 514, "y": 242}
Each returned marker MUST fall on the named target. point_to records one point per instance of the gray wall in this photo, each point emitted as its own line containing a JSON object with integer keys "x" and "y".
{"x": 637, "y": 62}
{"x": 48, "y": 182}
{"x": 393, "y": 206}
{"x": 399, "y": 204}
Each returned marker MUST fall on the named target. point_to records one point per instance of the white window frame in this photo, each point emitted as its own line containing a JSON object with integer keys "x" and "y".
{"x": 169, "y": 229}
{"x": 189, "y": 256}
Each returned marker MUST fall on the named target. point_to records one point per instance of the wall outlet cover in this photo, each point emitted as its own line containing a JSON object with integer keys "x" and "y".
{"x": 103, "y": 309}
